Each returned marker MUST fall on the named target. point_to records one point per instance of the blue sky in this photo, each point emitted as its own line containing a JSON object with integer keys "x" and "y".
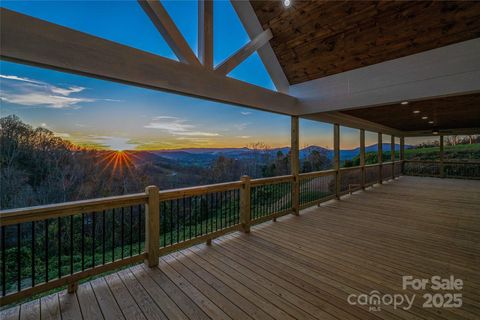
{"x": 116, "y": 116}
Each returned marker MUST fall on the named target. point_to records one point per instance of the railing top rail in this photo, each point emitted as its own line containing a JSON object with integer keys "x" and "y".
{"x": 21, "y": 215}
{"x": 476, "y": 162}
{"x": 350, "y": 168}
{"x": 317, "y": 174}
{"x": 372, "y": 165}
{"x": 198, "y": 190}
{"x": 271, "y": 180}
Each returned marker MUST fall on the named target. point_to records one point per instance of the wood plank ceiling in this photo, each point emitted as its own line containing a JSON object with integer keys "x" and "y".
{"x": 446, "y": 113}
{"x": 314, "y": 39}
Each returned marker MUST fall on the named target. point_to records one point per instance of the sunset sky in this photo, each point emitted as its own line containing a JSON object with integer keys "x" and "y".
{"x": 109, "y": 115}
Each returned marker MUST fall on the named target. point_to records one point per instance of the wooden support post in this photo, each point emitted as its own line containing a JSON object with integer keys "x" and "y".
{"x": 380, "y": 158}
{"x": 392, "y": 155}
{"x": 336, "y": 158}
{"x": 362, "y": 157}
{"x": 245, "y": 212}
{"x": 295, "y": 164}
{"x": 402, "y": 152}
{"x": 72, "y": 287}
{"x": 152, "y": 226}
{"x": 442, "y": 166}
{"x": 205, "y": 33}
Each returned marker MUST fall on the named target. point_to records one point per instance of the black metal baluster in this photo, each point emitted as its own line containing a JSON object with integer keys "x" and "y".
{"x": 163, "y": 213}
{"x": 190, "y": 217}
{"x": 177, "y": 218}
{"x": 171, "y": 222}
{"x": 59, "y": 236}
{"x": 4, "y": 263}
{"x": 139, "y": 228}
{"x": 19, "y": 263}
{"x": 94, "y": 229}
{"x": 83, "y": 241}
{"x": 33, "y": 254}
{"x": 71, "y": 244}
{"x": 195, "y": 216}
{"x": 184, "y": 219}
{"x": 46, "y": 250}
{"x": 113, "y": 234}
{"x": 103, "y": 236}
{"x": 131, "y": 231}
{"x": 122, "y": 231}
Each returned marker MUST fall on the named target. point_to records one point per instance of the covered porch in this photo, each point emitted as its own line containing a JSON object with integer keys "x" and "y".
{"x": 306, "y": 245}
{"x": 303, "y": 267}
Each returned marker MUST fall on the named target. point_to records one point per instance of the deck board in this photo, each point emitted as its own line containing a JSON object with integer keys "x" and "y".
{"x": 303, "y": 267}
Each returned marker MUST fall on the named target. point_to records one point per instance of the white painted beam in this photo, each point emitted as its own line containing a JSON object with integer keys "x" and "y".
{"x": 253, "y": 27}
{"x": 29, "y": 40}
{"x": 449, "y": 70}
{"x": 205, "y": 33}
{"x": 352, "y": 122}
{"x": 165, "y": 25}
{"x": 244, "y": 52}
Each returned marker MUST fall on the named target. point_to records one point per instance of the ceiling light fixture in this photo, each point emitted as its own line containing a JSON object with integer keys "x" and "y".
{"x": 431, "y": 122}
{"x": 287, "y": 3}
{"x": 435, "y": 132}
{"x": 424, "y": 118}
{"x": 416, "y": 111}
{"x": 404, "y": 102}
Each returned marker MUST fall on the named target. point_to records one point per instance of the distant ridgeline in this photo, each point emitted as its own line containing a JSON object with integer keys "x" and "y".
{"x": 36, "y": 167}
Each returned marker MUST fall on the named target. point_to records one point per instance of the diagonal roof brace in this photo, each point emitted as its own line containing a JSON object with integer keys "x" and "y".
{"x": 244, "y": 52}
{"x": 165, "y": 25}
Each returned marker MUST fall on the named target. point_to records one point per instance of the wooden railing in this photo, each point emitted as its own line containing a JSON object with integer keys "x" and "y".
{"x": 57, "y": 245}
{"x": 445, "y": 169}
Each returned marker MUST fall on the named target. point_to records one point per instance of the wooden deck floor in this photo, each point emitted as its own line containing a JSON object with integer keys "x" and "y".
{"x": 304, "y": 267}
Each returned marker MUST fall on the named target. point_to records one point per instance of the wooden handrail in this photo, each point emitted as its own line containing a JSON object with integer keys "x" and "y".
{"x": 317, "y": 174}
{"x": 198, "y": 190}
{"x": 350, "y": 168}
{"x": 271, "y": 180}
{"x": 445, "y": 162}
{"x": 21, "y": 215}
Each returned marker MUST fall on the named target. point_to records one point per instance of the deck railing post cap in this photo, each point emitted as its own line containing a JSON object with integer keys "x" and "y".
{"x": 245, "y": 178}
{"x": 151, "y": 189}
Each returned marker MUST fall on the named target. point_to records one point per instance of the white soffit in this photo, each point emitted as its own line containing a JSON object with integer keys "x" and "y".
{"x": 449, "y": 70}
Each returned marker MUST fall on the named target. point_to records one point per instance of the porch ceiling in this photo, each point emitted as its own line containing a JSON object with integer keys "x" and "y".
{"x": 446, "y": 113}
{"x": 314, "y": 39}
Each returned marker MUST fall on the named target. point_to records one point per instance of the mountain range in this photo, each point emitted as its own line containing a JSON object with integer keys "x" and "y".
{"x": 205, "y": 156}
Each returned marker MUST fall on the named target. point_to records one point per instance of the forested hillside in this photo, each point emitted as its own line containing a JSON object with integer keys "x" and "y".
{"x": 36, "y": 167}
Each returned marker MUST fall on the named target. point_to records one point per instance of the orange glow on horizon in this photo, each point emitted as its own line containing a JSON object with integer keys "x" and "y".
{"x": 118, "y": 163}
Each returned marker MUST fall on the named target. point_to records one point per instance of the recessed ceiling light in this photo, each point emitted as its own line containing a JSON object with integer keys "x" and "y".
{"x": 416, "y": 111}
{"x": 435, "y": 132}
{"x": 431, "y": 122}
{"x": 287, "y": 3}
{"x": 404, "y": 102}
{"x": 424, "y": 118}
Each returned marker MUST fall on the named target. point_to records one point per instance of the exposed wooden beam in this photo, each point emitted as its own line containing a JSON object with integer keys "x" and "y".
{"x": 33, "y": 41}
{"x": 205, "y": 33}
{"x": 165, "y": 25}
{"x": 244, "y": 52}
{"x": 253, "y": 27}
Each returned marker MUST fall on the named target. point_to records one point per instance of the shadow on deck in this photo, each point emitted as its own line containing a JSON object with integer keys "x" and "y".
{"x": 304, "y": 267}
